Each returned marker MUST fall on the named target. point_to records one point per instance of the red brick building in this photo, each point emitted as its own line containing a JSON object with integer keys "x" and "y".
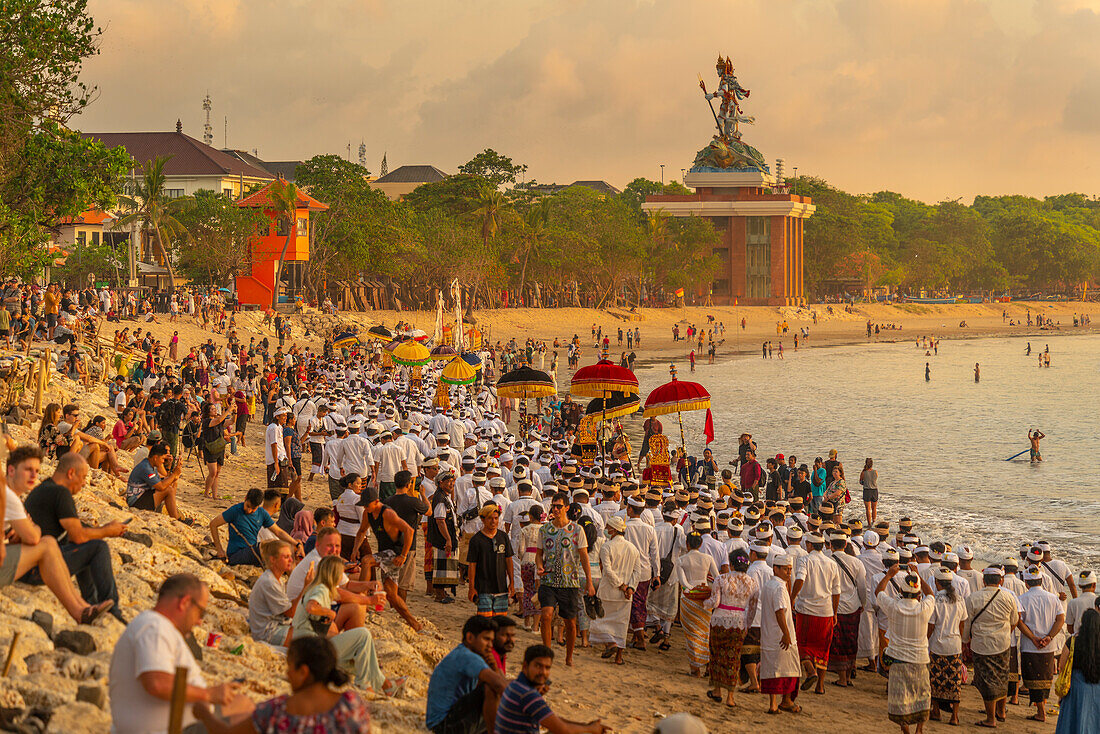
{"x": 760, "y": 225}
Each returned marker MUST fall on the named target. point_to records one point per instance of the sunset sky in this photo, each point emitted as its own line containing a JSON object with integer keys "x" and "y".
{"x": 936, "y": 99}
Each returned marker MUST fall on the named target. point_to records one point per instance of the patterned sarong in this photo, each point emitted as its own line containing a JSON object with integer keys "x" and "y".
{"x": 696, "y": 622}
{"x": 638, "y": 607}
{"x": 725, "y": 655}
{"x": 945, "y": 675}
{"x": 815, "y": 636}
{"x": 750, "y": 648}
{"x": 530, "y": 598}
{"x": 991, "y": 673}
{"x": 1037, "y": 673}
{"x": 908, "y": 693}
{"x": 444, "y": 568}
{"x": 845, "y": 642}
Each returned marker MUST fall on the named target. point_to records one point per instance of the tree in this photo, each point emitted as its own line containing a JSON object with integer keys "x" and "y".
{"x": 495, "y": 168}
{"x": 491, "y": 207}
{"x": 284, "y": 202}
{"x": 217, "y": 234}
{"x": 154, "y": 209}
{"x": 47, "y": 171}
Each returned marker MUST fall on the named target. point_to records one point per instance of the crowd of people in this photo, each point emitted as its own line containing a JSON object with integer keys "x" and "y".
{"x": 768, "y": 580}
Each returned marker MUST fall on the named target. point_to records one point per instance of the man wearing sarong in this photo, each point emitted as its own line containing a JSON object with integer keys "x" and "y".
{"x": 779, "y": 666}
{"x": 642, "y": 535}
{"x": 621, "y": 569}
{"x": 1041, "y": 621}
{"x": 664, "y": 601}
{"x": 908, "y": 691}
{"x": 750, "y": 649}
{"x": 991, "y": 615}
{"x": 849, "y": 612}
{"x": 816, "y": 595}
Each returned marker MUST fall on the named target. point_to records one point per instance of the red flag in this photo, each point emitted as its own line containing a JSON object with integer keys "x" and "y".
{"x": 708, "y": 427}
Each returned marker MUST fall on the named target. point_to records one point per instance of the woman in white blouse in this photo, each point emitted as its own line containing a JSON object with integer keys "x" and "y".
{"x": 945, "y": 628}
{"x": 908, "y": 692}
{"x": 732, "y": 604}
{"x": 693, "y": 571}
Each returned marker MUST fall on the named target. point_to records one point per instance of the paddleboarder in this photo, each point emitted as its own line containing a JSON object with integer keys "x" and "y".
{"x": 1034, "y": 437}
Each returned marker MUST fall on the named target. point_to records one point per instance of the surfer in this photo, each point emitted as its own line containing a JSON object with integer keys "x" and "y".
{"x": 1034, "y": 437}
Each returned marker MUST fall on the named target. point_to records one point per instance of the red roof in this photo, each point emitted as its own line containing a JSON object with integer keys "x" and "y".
{"x": 262, "y": 199}
{"x": 91, "y": 216}
{"x": 189, "y": 157}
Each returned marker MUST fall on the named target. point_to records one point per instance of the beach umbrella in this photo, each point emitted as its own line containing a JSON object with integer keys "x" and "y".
{"x": 597, "y": 380}
{"x": 411, "y": 354}
{"x": 615, "y": 405}
{"x": 443, "y": 352}
{"x": 458, "y": 372}
{"x": 525, "y": 382}
{"x": 679, "y": 396}
{"x": 380, "y": 331}
{"x": 345, "y": 339}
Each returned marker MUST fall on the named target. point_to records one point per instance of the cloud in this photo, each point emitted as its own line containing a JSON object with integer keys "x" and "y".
{"x": 936, "y": 100}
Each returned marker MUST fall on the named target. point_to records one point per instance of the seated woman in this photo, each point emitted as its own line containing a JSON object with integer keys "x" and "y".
{"x": 104, "y": 458}
{"x": 320, "y": 698}
{"x": 127, "y": 433}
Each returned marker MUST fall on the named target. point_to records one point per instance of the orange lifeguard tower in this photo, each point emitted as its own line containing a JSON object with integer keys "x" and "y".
{"x": 257, "y": 286}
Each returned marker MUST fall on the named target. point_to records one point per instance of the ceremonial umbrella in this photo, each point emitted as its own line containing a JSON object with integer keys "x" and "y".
{"x": 444, "y": 352}
{"x": 412, "y": 354}
{"x": 525, "y": 382}
{"x": 678, "y": 396}
{"x": 596, "y": 380}
{"x": 615, "y": 405}
{"x": 398, "y": 341}
{"x": 381, "y": 331}
{"x": 601, "y": 381}
{"x": 345, "y": 339}
{"x": 458, "y": 372}
{"x": 471, "y": 359}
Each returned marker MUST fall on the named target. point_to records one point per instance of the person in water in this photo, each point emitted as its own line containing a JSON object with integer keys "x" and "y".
{"x": 927, "y": 372}
{"x": 1034, "y": 437}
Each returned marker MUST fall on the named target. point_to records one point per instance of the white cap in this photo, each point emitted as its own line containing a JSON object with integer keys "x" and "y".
{"x": 943, "y": 573}
{"x": 782, "y": 559}
{"x": 966, "y": 553}
{"x": 1032, "y": 573}
{"x": 635, "y": 502}
{"x": 870, "y": 538}
{"x": 1086, "y": 578}
{"x": 758, "y": 548}
{"x": 951, "y": 557}
{"x": 616, "y": 523}
{"x": 282, "y": 411}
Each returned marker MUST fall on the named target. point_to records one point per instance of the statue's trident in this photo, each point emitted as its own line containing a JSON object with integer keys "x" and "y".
{"x": 710, "y": 103}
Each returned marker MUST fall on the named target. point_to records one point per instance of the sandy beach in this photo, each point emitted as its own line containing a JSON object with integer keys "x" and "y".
{"x": 630, "y": 698}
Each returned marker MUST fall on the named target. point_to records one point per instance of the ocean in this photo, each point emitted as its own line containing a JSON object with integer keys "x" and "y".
{"x": 939, "y": 446}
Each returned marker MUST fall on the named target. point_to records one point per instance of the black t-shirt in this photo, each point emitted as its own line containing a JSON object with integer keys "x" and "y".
{"x": 801, "y": 488}
{"x": 491, "y": 556}
{"x": 409, "y": 509}
{"x": 169, "y": 415}
{"x": 829, "y": 470}
{"x": 771, "y": 491}
{"x": 48, "y": 504}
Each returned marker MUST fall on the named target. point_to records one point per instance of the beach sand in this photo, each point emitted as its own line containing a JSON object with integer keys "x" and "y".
{"x": 633, "y": 697}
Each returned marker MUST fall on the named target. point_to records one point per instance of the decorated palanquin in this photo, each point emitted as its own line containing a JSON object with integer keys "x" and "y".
{"x": 416, "y": 379}
{"x": 442, "y": 397}
{"x": 586, "y": 444}
{"x": 658, "y": 469}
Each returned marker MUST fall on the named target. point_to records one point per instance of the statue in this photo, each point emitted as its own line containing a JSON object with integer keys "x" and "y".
{"x": 726, "y": 150}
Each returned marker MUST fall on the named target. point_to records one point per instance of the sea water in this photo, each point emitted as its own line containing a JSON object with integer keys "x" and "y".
{"x": 939, "y": 445}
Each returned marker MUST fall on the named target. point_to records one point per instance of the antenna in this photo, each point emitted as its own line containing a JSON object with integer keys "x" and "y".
{"x": 225, "y": 132}
{"x": 207, "y": 130}
{"x": 363, "y": 154}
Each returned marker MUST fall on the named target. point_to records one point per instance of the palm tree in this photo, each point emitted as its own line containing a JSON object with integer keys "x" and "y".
{"x": 491, "y": 206}
{"x": 152, "y": 207}
{"x": 284, "y": 201}
{"x": 535, "y": 227}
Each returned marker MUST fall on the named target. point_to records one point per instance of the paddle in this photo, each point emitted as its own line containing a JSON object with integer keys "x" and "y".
{"x": 1019, "y": 454}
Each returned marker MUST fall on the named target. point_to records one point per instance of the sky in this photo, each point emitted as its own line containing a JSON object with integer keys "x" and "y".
{"x": 936, "y": 99}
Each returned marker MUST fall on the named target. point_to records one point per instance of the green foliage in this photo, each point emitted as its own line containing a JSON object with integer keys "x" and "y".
{"x": 46, "y": 171}
{"x": 154, "y": 210}
{"x": 495, "y": 168}
{"x": 218, "y": 233}
{"x": 995, "y": 244}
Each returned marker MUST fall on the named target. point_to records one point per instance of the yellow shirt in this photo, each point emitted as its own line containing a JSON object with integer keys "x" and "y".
{"x": 51, "y": 302}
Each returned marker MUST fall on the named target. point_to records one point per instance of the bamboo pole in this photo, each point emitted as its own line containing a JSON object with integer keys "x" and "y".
{"x": 11, "y": 653}
{"x": 179, "y": 700}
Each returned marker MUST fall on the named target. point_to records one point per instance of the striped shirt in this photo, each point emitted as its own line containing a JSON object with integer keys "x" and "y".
{"x": 522, "y": 709}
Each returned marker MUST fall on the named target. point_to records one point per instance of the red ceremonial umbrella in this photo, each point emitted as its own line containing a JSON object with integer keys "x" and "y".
{"x": 678, "y": 396}
{"x": 601, "y": 381}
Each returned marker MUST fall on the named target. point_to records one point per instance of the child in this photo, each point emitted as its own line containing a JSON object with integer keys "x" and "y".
{"x": 529, "y": 534}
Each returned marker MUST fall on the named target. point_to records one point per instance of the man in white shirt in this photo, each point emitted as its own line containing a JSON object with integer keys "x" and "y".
{"x": 445, "y": 452}
{"x": 991, "y": 615}
{"x": 390, "y": 459}
{"x": 1086, "y": 599}
{"x": 663, "y": 602}
{"x": 145, "y": 658}
{"x": 760, "y": 572}
{"x": 849, "y": 612}
{"x": 644, "y": 538}
{"x": 334, "y": 456}
{"x": 357, "y": 457}
{"x": 1040, "y": 626}
{"x": 779, "y": 665}
{"x": 621, "y": 566}
{"x": 816, "y": 595}
{"x": 275, "y": 450}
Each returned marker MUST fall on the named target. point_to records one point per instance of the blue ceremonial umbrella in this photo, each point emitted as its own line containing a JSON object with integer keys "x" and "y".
{"x": 345, "y": 339}
{"x": 471, "y": 359}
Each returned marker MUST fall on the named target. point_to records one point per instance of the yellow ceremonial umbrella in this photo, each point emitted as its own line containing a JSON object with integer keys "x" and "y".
{"x": 411, "y": 354}
{"x": 458, "y": 372}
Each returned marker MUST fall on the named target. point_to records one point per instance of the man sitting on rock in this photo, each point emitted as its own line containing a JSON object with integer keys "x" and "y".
{"x": 151, "y": 485}
{"x": 351, "y": 595}
{"x": 30, "y": 556}
{"x": 245, "y": 520}
{"x": 269, "y": 608}
{"x": 51, "y": 507}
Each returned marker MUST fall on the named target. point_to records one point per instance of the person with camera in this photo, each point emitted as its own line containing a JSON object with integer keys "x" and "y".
{"x": 151, "y": 485}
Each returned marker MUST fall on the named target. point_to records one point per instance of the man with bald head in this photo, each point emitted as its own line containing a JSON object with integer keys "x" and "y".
{"x": 50, "y": 505}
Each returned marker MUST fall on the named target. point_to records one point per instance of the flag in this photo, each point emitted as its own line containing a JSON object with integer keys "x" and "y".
{"x": 679, "y": 292}
{"x": 708, "y": 427}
